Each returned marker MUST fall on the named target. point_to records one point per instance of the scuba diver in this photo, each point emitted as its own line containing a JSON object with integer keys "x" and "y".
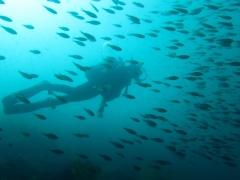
{"x": 106, "y": 79}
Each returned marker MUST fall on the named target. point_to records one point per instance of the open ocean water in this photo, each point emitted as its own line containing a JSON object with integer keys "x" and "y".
{"x": 184, "y": 123}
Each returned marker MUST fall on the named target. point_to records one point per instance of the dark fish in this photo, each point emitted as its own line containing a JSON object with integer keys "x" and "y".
{"x": 89, "y": 112}
{"x": 64, "y": 28}
{"x": 133, "y": 61}
{"x": 135, "y": 119}
{"x": 60, "y": 98}
{"x": 190, "y": 78}
{"x": 226, "y": 158}
{"x": 50, "y": 10}
{"x": 230, "y": 164}
{"x": 120, "y": 154}
{"x": 109, "y": 10}
{"x": 208, "y": 26}
{"x": 166, "y": 130}
{"x": 93, "y": 22}
{"x": 80, "y": 43}
{"x": 138, "y": 4}
{"x": 226, "y": 42}
{"x": 156, "y": 90}
{"x": 213, "y": 7}
{"x": 143, "y": 137}
{"x": 64, "y": 35}
{"x": 2, "y": 2}
{"x": 82, "y": 68}
{"x": 179, "y": 131}
{"x": 79, "y": 17}
{"x": 116, "y": 48}
{"x": 203, "y": 106}
{"x": 181, "y": 10}
{"x": 172, "y": 78}
{"x": 63, "y": 77}
{"x": 137, "y": 168}
{"x": 5, "y": 18}
{"x": 179, "y": 87}
{"x": 180, "y": 154}
{"x": 50, "y": 136}
{"x": 152, "y": 34}
{"x": 196, "y": 74}
{"x": 134, "y": 19}
{"x": 117, "y": 145}
{"x": 55, "y": 1}
{"x": 144, "y": 84}
{"x": 21, "y": 98}
{"x": 162, "y": 162}
{"x": 150, "y": 123}
{"x": 126, "y": 141}
{"x": 33, "y": 76}
{"x": 25, "y": 134}
{"x": 81, "y": 38}
{"x": 225, "y": 17}
{"x": 106, "y": 38}
{"x": 171, "y": 148}
{"x": 25, "y": 75}
{"x": 119, "y": 8}
{"x": 236, "y": 63}
{"x": 129, "y": 96}
{"x": 184, "y": 31}
{"x": 2, "y": 57}
{"x": 94, "y": 7}
{"x": 160, "y": 110}
{"x": 105, "y": 157}
{"x": 83, "y": 156}
{"x": 40, "y": 116}
{"x": 71, "y": 72}
{"x": 35, "y": 51}
{"x": 89, "y": 13}
{"x": 117, "y": 25}
{"x": 120, "y": 36}
{"x": 195, "y": 94}
{"x": 80, "y": 117}
{"x": 79, "y": 135}
{"x": 183, "y": 57}
{"x": 89, "y": 36}
{"x": 137, "y": 35}
{"x": 226, "y": 24}
{"x": 157, "y": 82}
{"x": 169, "y": 28}
{"x": 73, "y": 13}
{"x": 56, "y": 151}
{"x": 156, "y": 48}
{"x": 130, "y": 131}
{"x": 76, "y": 56}
{"x": 9, "y": 30}
{"x": 158, "y": 140}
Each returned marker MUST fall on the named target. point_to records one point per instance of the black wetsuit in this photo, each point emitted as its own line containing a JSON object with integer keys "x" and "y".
{"x": 107, "y": 83}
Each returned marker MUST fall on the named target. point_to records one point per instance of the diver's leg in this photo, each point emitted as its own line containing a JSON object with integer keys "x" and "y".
{"x": 10, "y": 101}
{"x": 79, "y": 93}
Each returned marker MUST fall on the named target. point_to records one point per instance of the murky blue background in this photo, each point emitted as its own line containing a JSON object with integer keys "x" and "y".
{"x": 31, "y": 155}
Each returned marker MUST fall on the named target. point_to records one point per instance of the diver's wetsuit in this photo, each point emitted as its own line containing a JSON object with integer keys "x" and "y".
{"x": 108, "y": 84}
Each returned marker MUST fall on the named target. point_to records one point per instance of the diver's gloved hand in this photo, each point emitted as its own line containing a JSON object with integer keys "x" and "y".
{"x": 100, "y": 115}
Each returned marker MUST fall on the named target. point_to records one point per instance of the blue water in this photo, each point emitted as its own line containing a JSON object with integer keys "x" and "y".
{"x": 204, "y": 156}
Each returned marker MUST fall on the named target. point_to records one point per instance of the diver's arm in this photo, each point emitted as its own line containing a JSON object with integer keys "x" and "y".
{"x": 101, "y": 109}
{"x": 126, "y": 90}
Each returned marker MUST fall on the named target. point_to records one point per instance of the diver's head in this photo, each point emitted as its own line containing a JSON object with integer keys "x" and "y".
{"x": 136, "y": 71}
